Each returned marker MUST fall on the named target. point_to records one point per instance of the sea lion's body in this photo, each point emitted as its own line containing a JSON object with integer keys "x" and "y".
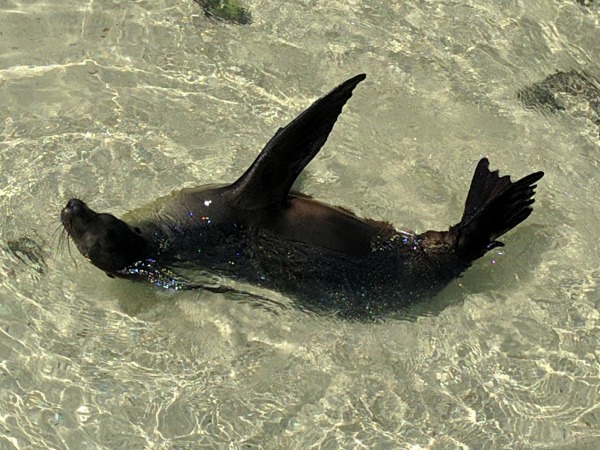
{"x": 323, "y": 256}
{"x": 256, "y": 230}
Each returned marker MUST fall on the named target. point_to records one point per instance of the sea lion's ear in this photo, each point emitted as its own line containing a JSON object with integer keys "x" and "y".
{"x": 270, "y": 177}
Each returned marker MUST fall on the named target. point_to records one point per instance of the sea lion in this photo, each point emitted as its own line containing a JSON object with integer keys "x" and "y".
{"x": 259, "y": 231}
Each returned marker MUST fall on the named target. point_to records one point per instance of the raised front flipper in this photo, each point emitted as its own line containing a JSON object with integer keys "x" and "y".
{"x": 268, "y": 180}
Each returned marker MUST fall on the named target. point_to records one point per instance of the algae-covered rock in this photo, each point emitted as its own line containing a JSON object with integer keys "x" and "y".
{"x": 575, "y": 92}
{"x": 226, "y": 10}
{"x": 28, "y": 252}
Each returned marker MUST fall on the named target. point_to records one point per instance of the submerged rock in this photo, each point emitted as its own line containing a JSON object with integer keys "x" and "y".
{"x": 29, "y": 252}
{"x": 575, "y": 92}
{"x": 226, "y": 10}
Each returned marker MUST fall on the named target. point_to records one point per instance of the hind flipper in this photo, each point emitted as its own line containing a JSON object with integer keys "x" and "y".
{"x": 494, "y": 206}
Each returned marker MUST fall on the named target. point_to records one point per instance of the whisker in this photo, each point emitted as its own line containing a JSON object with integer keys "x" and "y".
{"x": 58, "y": 236}
{"x": 62, "y": 240}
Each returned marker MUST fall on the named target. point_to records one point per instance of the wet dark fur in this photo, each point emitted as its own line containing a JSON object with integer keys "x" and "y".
{"x": 258, "y": 231}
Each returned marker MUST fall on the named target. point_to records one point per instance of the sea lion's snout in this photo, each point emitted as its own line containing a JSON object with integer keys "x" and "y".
{"x": 74, "y": 208}
{"x": 74, "y": 205}
{"x": 109, "y": 243}
{"x": 77, "y": 219}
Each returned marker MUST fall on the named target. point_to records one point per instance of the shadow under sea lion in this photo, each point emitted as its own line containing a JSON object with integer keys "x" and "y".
{"x": 258, "y": 231}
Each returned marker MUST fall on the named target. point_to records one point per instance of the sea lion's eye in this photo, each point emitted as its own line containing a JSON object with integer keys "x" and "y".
{"x": 137, "y": 230}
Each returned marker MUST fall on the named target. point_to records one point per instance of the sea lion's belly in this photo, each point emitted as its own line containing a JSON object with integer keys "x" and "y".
{"x": 316, "y": 224}
{"x": 302, "y": 220}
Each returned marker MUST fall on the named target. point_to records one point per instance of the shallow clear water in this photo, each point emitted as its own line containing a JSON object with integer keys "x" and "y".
{"x": 123, "y": 102}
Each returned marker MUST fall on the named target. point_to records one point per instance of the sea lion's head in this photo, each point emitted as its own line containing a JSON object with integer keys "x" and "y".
{"x": 109, "y": 243}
